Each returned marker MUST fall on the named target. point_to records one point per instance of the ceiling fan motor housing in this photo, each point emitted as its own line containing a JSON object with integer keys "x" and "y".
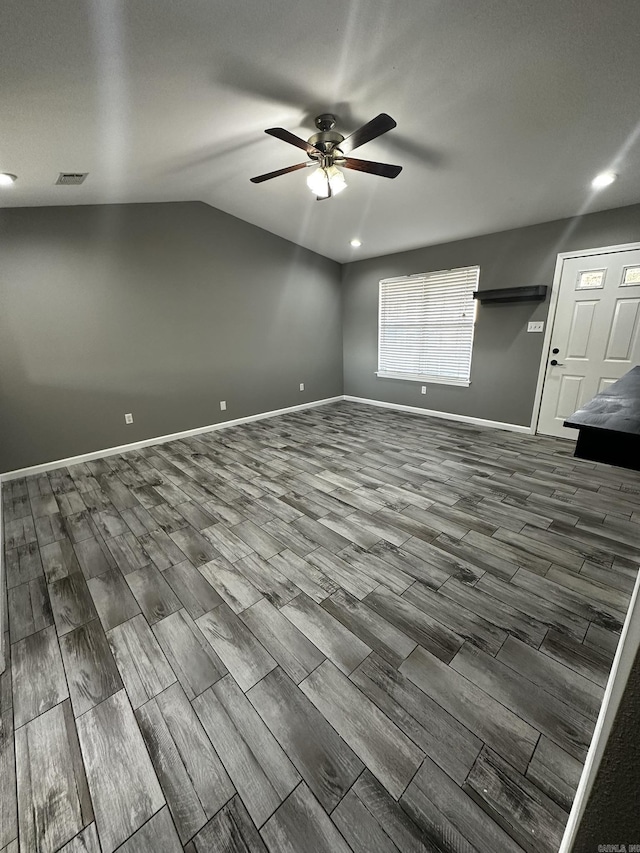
{"x": 327, "y": 141}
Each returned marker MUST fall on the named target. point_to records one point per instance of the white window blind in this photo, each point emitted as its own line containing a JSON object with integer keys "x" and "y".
{"x": 426, "y": 322}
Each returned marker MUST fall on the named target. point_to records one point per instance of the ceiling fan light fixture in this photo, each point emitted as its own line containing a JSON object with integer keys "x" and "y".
{"x": 322, "y": 178}
{"x": 317, "y": 182}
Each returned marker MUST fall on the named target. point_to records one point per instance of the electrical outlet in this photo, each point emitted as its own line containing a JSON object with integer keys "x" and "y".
{"x": 302, "y": 386}
{"x": 423, "y": 390}
{"x": 128, "y": 419}
{"x": 535, "y": 326}
{"x": 223, "y": 405}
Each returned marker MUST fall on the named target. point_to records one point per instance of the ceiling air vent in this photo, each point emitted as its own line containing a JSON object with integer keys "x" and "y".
{"x": 69, "y": 179}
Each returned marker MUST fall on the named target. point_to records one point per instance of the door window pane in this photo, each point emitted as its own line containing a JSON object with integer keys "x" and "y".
{"x": 630, "y": 276}
{"x": 590, "y": 279}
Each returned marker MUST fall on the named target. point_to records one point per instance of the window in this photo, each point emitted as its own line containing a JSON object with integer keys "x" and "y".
{"x": 425, "y": 329}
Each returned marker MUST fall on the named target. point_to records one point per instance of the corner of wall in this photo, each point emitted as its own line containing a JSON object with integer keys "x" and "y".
{"x": 4, "y": 612}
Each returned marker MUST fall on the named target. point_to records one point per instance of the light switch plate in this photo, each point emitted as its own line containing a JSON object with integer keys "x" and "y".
{"x": 535, "y": 326}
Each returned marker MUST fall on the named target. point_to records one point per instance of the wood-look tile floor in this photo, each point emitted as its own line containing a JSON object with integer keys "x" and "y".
{"x": 345, "y": 629}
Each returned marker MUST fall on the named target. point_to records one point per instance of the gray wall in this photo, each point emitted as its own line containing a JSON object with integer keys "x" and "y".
{"x": 611, "y": 815}
{"x": 506, "y": 358}
{"x": 161, "y": 310}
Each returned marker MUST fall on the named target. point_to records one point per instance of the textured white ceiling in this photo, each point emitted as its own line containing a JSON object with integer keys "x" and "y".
{"x": 506, "y": 109}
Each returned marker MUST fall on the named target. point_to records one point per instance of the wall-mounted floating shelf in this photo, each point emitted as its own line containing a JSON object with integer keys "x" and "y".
{"x": 533, "y": 293}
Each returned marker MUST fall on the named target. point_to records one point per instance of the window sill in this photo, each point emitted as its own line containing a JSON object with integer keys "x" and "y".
{"x": 414, "y": 377}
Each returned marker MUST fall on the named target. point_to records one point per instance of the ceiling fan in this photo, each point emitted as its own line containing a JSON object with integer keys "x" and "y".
{"x": 327, "y": 150}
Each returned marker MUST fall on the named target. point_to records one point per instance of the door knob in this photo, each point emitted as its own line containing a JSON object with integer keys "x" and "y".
{"x": 555, "y": 363}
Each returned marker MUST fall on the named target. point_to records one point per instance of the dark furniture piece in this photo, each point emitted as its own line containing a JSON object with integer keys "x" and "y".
{"x": 610, "y": 424}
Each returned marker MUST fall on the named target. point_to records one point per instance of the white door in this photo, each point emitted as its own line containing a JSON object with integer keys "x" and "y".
{"x": 596, "y": 333}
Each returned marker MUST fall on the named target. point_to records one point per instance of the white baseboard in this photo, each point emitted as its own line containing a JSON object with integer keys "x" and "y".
{"x": 162, "y": 439}
{"x": 447, "y": 416}
{"x": 112, "y": 451}
{"x": 624, "y": 659}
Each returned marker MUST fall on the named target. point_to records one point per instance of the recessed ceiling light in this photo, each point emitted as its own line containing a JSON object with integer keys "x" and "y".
{"x": 355, "y": 243}
{"x": 603, "y": 180}
{"x": 6, "y": 179}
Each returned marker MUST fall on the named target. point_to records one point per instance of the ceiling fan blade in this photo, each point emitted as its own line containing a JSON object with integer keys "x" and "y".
{"x": 385, "y": 170}
{"x": 292, "y": 139}
{"x": 372, "y": 129}
{"x": 277, "y": 174}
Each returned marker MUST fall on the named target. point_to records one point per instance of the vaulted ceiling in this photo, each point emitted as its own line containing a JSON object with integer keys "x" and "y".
{"x": 506, "y": 109}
